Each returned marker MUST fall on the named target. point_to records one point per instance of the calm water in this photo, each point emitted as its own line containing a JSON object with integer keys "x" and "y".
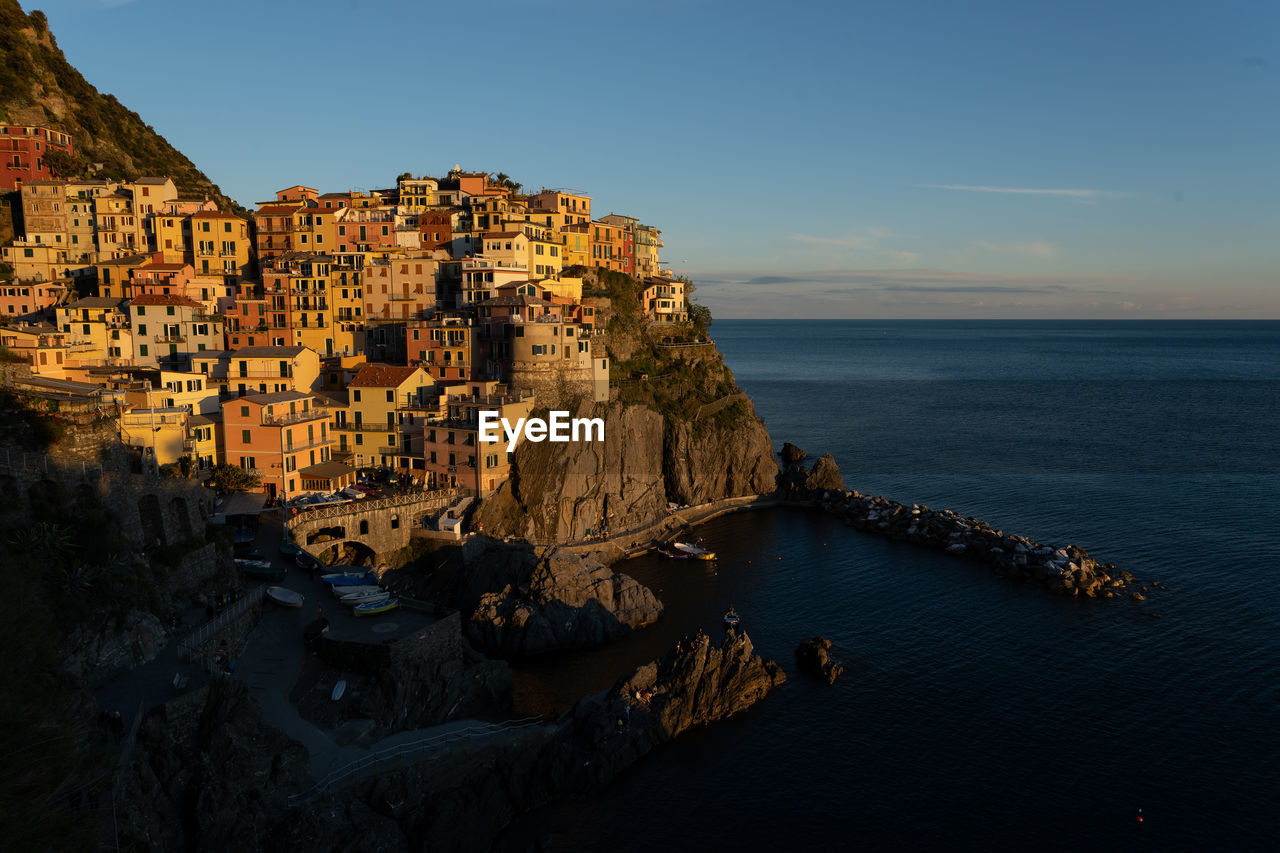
{"x": 979, "y": 714}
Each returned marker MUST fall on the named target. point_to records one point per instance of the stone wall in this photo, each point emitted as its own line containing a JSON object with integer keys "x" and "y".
{"x": 440, "y": 640}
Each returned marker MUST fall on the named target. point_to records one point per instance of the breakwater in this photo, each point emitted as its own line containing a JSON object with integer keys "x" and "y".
{"x": 1069, "y": 570}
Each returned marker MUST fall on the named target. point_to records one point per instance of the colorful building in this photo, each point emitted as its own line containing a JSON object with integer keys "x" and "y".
{"x": 278, "y": 437}
{"x": 24, "y": 152}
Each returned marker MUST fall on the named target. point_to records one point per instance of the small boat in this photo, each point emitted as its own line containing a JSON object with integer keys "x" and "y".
{"x": 338, "y": 690}
{"x": 284, "y": 596}
{"x": 348, "y": 578}
{"x": 261, "y": 569}
{"x": 731, "y": 620}
{"x": 375, "y": 607}
{"x": 288, "y": 548}
{"x": 366, "y": 598}
{"x": 669, "y": 554}
{"x": 694, "y": 551}
{"x": 341, "y": 592}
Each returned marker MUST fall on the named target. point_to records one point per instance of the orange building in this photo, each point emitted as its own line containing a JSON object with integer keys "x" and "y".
{"x": 279, "y": 437}
{"x": 613, "y": 247}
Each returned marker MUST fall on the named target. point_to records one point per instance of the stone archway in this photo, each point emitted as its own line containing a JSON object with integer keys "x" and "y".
{"x": 181, "y": 518}
{"x": 151, "y": 518}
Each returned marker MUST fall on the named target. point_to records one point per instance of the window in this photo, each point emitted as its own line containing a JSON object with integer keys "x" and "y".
{"x": 246, "y": 436}
{"x": 142, "y": 350}
{"x": 355, "y": 398}
{"x": 364, "y": 527}
{"x": 391, "y": 395}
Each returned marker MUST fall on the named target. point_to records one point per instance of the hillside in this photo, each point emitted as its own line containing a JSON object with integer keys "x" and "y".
{"x": 39, "y": 86}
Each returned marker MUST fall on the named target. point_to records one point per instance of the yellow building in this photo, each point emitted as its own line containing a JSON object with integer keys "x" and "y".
{"x": 220, "y": 244}
{"x": 32, "y": 261}
{"x": 576, "y": 242}
{"x": 385, "y": 404}
{"x": 103, "y": 324}
{"x": 260, "y": 370}
{"x": 160, "y": 433}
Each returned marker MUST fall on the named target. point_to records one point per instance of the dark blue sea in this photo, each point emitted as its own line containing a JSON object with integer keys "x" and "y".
{"x": 978, "y": 713}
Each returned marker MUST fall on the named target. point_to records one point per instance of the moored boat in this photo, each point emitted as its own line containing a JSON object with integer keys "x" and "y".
{"x": 341, "y": 592}
{"x": 348, "y": 578}
{"x": 284, "y": 596}
{"x": 668, "y": 554}
{"x": 374, "y": 607}
{"x": 694, "y": 551}
{"x": 366, "y": 598}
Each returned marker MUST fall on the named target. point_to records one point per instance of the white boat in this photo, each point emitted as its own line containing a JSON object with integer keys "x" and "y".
{"x": 371, "y": 598}
{"x": 341, "y": 592}
{"x": 284, "y": 596}
{"x": 694, "y": 551}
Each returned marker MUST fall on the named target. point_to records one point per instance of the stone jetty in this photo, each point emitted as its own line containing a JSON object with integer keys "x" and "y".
{"x": 1068, "y": 570}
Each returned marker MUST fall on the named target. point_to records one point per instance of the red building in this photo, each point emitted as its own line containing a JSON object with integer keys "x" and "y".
{"x": 22, "y": 153}
{"x": 435, "y": 228}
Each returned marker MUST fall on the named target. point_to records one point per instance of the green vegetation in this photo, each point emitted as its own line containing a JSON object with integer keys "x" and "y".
{"x": 104, "y": 130}
{"x": 231, "y": 478}
{"x": 26, "y": 422}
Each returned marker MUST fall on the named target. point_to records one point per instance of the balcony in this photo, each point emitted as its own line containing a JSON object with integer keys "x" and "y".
{"x": 314, "y": 414}
{"x": 311, "y": 445}
{"x": 408, "y": 297}
{"x": 392, "y": 451}
{"x": 170, "y": 339}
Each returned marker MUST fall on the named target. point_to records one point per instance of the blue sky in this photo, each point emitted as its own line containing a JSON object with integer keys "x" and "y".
{"x": 804, "y": 159}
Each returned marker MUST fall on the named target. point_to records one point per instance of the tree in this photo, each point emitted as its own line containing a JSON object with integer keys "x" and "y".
{"x": 700, "y": 316}
{"x": 232, "y": 478}
{"x": 404, "y": 176}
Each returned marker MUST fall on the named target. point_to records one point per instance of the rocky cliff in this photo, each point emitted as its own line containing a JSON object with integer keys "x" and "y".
{"x": 560, "y": 492}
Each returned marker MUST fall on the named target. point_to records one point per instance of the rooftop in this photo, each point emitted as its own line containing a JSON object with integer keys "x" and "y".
{"x": 381, "y": 376}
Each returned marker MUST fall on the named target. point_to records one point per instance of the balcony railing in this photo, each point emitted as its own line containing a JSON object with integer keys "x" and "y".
{"x": 392, "y": 451}
{"x": 311, "y": 445}
{"x": 171, "y": 339}
{"x": 312, "y": 414}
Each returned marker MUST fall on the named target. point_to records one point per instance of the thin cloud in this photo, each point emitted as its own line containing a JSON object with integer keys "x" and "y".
{"x": 1031, "y": 249}
{"x": 1078, "y": 194}
{"x": 930, "y": 281}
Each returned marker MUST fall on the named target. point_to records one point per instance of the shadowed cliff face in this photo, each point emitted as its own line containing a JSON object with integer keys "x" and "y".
{"x": 447, "y": 804}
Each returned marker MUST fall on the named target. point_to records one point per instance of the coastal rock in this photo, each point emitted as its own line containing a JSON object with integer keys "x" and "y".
{"x": 825, "y": 475}
{"x": 792, "y": 455}
{"x": 566, "y": 601}
{"x": 706, "y": 461}
{"x": 456, "y": 802}
{"x": 814, "y": 657}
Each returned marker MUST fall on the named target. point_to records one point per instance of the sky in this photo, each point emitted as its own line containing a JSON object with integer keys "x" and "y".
{"x": 896, "y": 159}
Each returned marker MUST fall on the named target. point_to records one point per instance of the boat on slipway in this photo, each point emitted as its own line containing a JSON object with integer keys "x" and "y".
{"x": 373, "y": 608}
{"x": 284, "y": 596}
{"x": 366, "y": 598}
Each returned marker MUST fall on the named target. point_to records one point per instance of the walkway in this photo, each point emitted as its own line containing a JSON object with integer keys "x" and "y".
{"x": 628, "y": 543}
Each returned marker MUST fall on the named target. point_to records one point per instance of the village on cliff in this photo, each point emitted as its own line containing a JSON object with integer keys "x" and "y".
{"x": 322, "y": 335}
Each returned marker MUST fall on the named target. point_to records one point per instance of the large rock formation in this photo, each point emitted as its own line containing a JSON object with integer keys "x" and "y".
{"x": 447, "y": 803}
{"x": 706, "y": 461}
{"x": 800, "y": 481}
{"x": 562, "y": 601}
{"x": 559, "y": 491}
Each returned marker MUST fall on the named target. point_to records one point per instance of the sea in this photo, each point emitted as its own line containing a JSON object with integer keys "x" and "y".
{"x": 976, "y": 712}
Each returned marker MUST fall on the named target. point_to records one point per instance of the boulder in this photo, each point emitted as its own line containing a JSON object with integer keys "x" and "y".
{"x": 825, "y": 475}
{"x": 814, "y": 657}
{"x": 792, "y": 455}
